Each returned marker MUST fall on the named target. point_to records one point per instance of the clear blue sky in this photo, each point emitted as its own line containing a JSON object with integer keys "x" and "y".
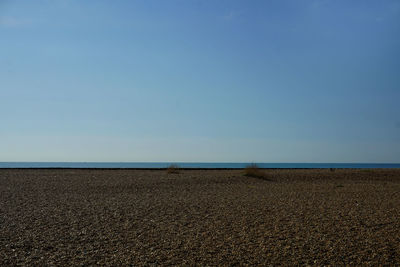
{"x": 192, "y": 80}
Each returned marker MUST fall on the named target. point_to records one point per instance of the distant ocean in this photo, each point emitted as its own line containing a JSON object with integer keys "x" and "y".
{"x": 189, "y": 165}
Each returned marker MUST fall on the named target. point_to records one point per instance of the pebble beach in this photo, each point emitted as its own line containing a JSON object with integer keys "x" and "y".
{"x": 57, "y": 217}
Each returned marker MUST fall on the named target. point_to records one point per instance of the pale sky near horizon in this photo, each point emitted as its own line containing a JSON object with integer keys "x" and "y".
{"x": 207, "y": 81}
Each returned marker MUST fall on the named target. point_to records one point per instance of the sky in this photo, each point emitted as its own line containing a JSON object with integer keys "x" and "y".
{"x": 200, "y": 81}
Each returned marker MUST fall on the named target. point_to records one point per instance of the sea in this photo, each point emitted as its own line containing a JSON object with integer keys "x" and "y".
{"x": 193, "y": 165}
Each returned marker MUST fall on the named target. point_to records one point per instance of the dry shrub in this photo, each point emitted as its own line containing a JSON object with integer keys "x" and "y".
{"x": 173, "y": 168}
{"x": 252, "y": 170}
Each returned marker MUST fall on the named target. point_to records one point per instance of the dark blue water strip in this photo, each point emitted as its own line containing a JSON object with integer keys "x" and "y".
{"x": 188, "y": 165}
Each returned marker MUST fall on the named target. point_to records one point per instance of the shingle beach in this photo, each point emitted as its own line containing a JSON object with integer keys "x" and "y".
{"x": 199, "y": 217}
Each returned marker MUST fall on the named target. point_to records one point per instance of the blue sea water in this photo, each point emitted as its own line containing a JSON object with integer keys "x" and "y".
{"x": 188, "y": 165}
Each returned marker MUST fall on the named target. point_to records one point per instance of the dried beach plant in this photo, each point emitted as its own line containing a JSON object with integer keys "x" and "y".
{"x": 173, "y": 168}
{"x": 253, "y": 170}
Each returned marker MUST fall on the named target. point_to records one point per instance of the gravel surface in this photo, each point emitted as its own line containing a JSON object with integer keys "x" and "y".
{"x": 199, "y": 217}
